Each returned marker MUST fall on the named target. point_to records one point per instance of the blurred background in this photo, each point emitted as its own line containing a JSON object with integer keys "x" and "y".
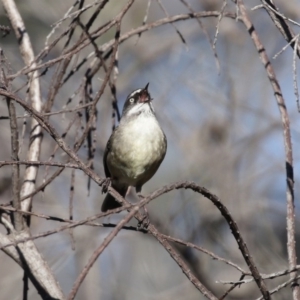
{"x": 224, "y": 132}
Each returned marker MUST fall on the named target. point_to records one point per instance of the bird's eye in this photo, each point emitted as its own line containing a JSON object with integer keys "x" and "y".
{"x": 131, "y": 100}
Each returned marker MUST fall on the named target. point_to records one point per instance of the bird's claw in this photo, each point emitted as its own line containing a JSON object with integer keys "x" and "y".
{"x": 145, "y": 221}
{"x": 143, "y": 224}
{"x": 105, "y": 184}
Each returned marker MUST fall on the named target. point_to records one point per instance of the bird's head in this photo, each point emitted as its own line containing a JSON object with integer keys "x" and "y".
{"x": 137, "y": 102}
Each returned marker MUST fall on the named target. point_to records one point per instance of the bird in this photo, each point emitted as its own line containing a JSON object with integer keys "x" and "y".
{"x": 135, "y": 149}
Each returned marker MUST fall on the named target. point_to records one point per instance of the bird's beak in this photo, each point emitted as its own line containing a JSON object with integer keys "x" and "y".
{"x": 146, "y": 87}
{"x": 144, "y": 95}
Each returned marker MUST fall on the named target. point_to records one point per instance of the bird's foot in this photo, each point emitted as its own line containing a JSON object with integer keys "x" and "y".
{"x": 143, "y": 224}
{"x": 105, "y": 184}
{"x": 145, "y": 221}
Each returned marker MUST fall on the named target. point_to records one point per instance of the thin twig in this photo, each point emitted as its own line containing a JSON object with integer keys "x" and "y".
{"x": 268, "y": 4}
{"x": 82, "y": 44}
{"x": 285, "y": 47}
{"x": 74, "y": 224}
{"x": 145, "y": 19}
{"x": 264, "y": 276}
{"x": 174, "y": 26}
{"x": 38, "y": 163}
{"x": 281, "y": 286}
{"x": 212, "y": 255}
{"x": 280, "y": 23}
{"x": 99, "y": 250}
{"x": 295, "y": 80}
{"x": 218, "y": 24}
{"x": 211, "y": 43}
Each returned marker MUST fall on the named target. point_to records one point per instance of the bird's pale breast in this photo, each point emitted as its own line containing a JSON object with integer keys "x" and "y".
{"x": 137, "y": 149}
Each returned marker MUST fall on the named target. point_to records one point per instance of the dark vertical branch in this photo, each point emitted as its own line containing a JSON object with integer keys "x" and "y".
{"x": 73, "y": 25}
{"x": 113, "y": 88}
{"x": 95, "y": 15}
{"x": 25, "y": 286}
{"x": 281, "y": 24}
{"x": 18, "y": 220}
{"x": 4, "y": 84}
{"x": 91, "y": 118}
{"x": 17, "y": 217}
{"x": 71, "y": 204}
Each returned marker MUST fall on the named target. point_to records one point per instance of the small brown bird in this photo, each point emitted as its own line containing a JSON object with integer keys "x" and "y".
{"x": 136, "y": 147}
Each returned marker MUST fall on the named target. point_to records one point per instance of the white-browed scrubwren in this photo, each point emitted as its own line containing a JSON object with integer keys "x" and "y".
{"x": 136, "y": 147}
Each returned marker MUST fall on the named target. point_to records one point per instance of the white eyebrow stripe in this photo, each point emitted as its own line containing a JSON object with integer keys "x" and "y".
{"x": 135, "y": 92}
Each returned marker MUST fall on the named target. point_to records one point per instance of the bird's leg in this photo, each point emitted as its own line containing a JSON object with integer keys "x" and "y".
{"x": 105, "y": 184}
{"x": 145, "y": 216}
{"x": 145, "y": 210}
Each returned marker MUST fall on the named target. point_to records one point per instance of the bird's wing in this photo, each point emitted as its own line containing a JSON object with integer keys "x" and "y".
{"x": 107, "y": 149}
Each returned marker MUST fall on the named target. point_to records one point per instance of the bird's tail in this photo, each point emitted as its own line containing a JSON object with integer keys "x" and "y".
{"x": 110, "y": 202}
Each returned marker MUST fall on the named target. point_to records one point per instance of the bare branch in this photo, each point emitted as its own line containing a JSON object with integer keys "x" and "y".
{"x": 34, "y": 94}
{"x": 100, "y": 249}
{"x": 212, "y": 255}
{"x": 280, "y": 23}
{"x": 18, "y": 220}
{"x": 105, "y": 47}
{"x": 38, "y": 163}
{"x": 281, "y": 286}
{"x": 291, "y": 244}
{"x": 296, "y": 89}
